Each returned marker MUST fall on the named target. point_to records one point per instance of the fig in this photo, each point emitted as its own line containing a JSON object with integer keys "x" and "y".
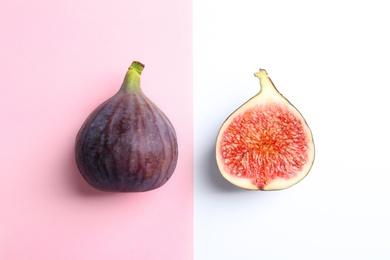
{"x": 266, "y": 143}
{"x": 127, "y": 144}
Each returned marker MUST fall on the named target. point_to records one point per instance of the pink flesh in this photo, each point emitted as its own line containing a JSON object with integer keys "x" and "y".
{"x": 264, "y": 143}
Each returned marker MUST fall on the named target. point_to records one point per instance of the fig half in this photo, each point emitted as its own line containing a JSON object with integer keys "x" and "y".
{"x": 127, "y": 144}
{"x": 266, "y": 143}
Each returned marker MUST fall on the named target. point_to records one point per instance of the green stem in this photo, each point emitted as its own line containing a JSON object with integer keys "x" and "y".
{"x": 132, "y": 78}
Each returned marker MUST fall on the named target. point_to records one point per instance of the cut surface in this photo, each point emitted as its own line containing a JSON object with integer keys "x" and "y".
{"x": 263, "y": 144}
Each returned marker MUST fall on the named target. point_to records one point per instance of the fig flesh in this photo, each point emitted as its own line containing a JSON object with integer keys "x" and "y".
{"x": 127, "y": 144}
{"x": 266, "y": 143}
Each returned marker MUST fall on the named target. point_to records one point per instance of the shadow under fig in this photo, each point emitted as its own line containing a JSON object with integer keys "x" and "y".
{"x": 213, "y": 174}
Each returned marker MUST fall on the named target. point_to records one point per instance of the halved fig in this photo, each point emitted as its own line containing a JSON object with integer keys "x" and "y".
{"x": 266, "y": 143}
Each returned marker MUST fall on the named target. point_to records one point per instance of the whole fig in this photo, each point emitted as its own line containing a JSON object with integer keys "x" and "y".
{"x": 127, "y": 144}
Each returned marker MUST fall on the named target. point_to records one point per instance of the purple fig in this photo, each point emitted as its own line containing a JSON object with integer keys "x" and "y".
{"x": 127, "y": 144}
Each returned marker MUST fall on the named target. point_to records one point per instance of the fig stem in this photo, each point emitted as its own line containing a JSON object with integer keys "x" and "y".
{"x": 265, "y": 82}
{"x": 132, "y": 78}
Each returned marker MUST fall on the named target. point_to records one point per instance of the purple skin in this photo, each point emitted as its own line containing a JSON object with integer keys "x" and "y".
{"x": 127, "y": 144}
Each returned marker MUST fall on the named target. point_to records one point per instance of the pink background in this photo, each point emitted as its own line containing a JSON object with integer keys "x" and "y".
{"x": 59, "y": 60}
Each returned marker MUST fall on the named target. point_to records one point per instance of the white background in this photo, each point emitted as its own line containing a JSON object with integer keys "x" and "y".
{"x": 331, "y": 60}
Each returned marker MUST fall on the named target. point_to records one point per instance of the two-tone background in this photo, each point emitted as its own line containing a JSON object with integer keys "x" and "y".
{"x": 60, "y": 59}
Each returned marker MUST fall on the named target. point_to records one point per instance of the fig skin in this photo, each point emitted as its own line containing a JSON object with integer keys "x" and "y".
{"x": 127, "y": 144}
{"x": 265, "y": 144}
